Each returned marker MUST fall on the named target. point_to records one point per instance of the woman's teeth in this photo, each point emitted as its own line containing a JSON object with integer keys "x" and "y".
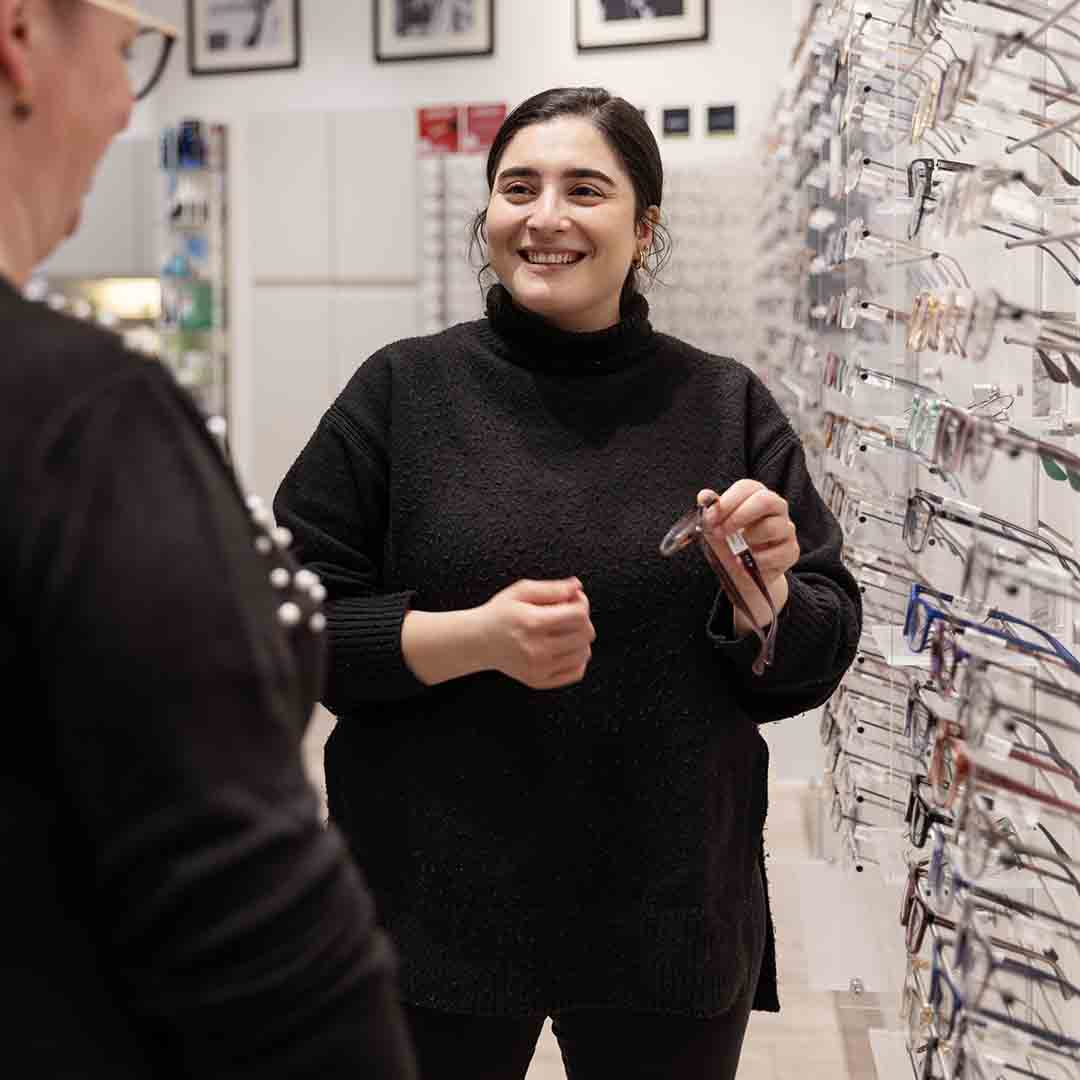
{"x": 557, "y": 258}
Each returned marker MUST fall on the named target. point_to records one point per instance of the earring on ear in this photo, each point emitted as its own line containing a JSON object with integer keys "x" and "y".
{"x": 639, "y": 260}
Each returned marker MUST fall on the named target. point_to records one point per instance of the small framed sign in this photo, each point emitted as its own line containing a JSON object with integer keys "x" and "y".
{"x": 438, "y": 129}
{"x": 482, "y": 123}
{"x": 617, "y": 24}
{"x": 676, "y": 123}
{"x": 226, "y": 39}
{"x": 433, "y": 29}
{"x": 720, "y": 119}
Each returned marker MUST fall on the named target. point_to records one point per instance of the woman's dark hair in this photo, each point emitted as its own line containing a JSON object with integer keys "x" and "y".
{"x": 630, "y": 139}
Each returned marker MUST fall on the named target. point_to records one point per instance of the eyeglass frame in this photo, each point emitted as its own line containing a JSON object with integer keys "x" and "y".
{"x": 146, "y": 24}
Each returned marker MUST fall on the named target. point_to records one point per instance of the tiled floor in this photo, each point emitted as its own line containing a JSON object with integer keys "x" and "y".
{"x": 823, "y": 1033}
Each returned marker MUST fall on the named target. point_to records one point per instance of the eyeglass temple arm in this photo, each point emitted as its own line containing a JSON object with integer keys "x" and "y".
{"x": 1043, "y": 248}
{"x": 1064, "y": 125}
{"x": 999, "y": 5}
{"x": 1052, "y": 20}
{"x": 1069, "y": 178}
{"x": 1059, "y": 238}
{"x": 1019, "y": 717}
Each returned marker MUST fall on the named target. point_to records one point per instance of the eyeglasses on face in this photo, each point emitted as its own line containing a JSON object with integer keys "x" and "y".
{"x": 149, "y": 53}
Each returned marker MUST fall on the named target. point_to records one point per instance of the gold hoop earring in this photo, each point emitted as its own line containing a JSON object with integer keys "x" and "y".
{"x": 638, "y": 260}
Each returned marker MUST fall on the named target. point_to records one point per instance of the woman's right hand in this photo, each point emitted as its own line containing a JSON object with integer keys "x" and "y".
{"x": 539, "y": 632}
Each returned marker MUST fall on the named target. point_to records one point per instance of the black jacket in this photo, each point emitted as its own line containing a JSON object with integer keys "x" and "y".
{"x": 172, "y": 904}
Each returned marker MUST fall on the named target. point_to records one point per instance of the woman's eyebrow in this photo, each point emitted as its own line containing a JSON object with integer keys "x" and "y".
{"x": 525, "y": 172}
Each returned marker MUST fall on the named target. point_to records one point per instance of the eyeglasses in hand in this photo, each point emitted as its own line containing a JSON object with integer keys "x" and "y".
{"x": 690, "y": 527}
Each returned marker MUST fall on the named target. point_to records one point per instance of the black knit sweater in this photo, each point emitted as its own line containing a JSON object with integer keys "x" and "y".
{"x": 592, "y": 846}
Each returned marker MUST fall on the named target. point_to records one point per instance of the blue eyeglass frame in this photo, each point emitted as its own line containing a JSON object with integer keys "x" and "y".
{"x": 918, "y": 641}
{"x": 934, "y": 997}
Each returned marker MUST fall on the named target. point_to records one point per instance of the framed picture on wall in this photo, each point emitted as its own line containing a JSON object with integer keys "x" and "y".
{"x": 433, "y": 29}
{"x": 616, "y": 24}
{"x": 229, "y": 36}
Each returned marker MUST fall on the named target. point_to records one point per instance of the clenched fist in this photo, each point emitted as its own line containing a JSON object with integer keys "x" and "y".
{"x": 539, "y": 632}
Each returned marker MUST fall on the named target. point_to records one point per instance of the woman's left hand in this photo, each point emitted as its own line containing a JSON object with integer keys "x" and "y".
{"x": 763, "y": 517}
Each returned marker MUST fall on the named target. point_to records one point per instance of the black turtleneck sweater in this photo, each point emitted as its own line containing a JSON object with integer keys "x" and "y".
{"x": 592, "y": 846}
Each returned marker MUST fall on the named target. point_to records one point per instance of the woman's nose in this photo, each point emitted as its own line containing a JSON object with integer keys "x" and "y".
{"x": 548, "y": 213}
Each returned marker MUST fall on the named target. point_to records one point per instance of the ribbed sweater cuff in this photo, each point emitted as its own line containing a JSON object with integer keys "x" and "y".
{"x": 802, "y": 628}
{"x": 366, "y": 661}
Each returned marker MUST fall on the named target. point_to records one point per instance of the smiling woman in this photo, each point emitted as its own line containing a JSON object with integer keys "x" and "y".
{"x": 554, "y": 726}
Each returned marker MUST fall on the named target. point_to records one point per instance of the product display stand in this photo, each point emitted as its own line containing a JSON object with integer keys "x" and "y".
{"x": 194, "y": 268}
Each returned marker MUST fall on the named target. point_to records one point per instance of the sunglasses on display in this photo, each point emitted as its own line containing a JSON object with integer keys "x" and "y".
{"x": 149, "y": 54}
{"x": 691, "y": 527}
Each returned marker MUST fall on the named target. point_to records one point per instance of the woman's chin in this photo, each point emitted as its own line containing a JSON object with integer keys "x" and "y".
{"x": 537, "y": 294}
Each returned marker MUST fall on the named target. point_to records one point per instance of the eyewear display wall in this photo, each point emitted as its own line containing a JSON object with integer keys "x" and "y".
{"x": 919, "y": 308}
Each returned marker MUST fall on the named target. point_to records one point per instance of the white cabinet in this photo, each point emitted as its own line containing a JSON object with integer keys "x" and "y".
{"x": 289, "y": 183}
{"x": 333, "y": 197}
{"x": 366, "y": 319}
{"x": 292, "y": 381}
{"x": 332, "y": 221}
{"x": 118, "y": 234}
{"x": 374, "y": 196}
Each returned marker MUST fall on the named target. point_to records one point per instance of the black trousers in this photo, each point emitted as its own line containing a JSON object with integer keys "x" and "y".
{"x": 595, "y": 1044}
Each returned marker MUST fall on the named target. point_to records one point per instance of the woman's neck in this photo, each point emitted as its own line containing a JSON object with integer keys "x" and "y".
{"x": 17, "y": 260}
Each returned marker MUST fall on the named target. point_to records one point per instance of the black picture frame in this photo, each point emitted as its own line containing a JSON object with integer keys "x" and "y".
{"x": 593, "y": 33}
{"x": 287, "y": 59}
{"x": 721, "y": 120}
{"x": 677, "y": 122}
{"x": 389, "y": 48}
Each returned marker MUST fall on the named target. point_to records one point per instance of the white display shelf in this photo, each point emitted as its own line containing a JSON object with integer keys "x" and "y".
{"x": 890, "y": 1052}
{"x": 894, "y": 648}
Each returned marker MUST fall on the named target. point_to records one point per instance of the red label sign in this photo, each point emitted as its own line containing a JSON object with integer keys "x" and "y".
{"x": 482, "y": 123}
{"x": 437, "y": 129}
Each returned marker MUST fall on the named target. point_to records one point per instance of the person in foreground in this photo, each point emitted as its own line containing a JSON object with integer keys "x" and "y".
{"x": 556, "y": 728}
{"x": 172, "y": 904}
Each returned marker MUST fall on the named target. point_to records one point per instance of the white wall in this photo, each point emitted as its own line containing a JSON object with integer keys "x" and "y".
{"x": 534, "y": 49}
